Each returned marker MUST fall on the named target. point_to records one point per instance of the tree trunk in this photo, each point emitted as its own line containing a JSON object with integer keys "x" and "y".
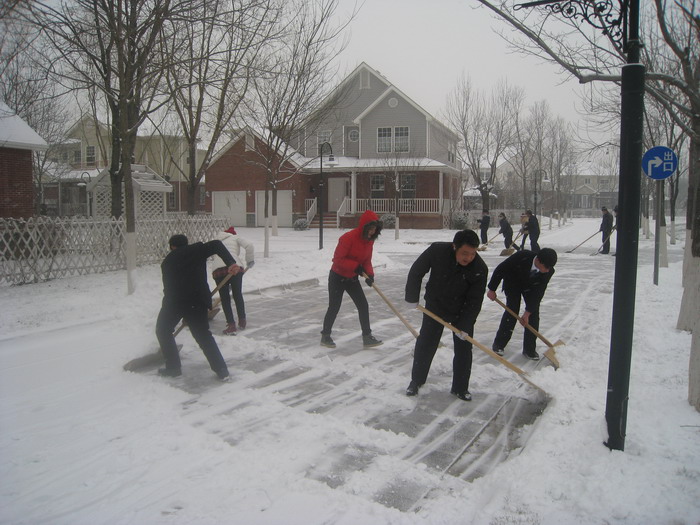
{"x": 689, "y": 316}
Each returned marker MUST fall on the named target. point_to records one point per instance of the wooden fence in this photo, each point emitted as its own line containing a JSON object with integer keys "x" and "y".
{"x": 43, "y": 248}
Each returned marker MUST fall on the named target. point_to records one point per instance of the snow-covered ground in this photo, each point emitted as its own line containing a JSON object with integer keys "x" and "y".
{"x": 83, "y": 442}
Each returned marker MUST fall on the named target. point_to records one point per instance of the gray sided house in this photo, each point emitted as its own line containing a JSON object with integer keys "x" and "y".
{"x": 388, "y": 155}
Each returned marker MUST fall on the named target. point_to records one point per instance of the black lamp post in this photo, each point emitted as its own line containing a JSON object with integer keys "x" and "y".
{"x": 321, "y": 148}
{"x": 619, "y": 20}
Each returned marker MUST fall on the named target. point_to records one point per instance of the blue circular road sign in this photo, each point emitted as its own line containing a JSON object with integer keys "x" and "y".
{"x": 659, "y": 162}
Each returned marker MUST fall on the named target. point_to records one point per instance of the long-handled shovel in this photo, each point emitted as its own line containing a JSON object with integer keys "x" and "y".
{"x": 550, "y": 353}
{"x": 486, "y": 245}
{"x": 571, "y": 251}
{"x": 604, "y": 241}
{"x": 157, "y": 356}
{"x": 483, "y": 348}
{"x": 510, "y": 250}
{"x": 393, "y": 309}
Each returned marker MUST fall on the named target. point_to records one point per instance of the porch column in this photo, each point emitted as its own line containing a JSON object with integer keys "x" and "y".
{"x": 441, "y": 182}
{"x": 353, "y": 192}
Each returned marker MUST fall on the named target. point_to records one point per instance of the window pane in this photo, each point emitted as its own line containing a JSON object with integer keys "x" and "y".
{"x": 383, "y": 140}
{"x": 401, "y": 138}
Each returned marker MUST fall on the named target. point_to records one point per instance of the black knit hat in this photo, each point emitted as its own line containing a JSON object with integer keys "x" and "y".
{"x": 548, "y": 257}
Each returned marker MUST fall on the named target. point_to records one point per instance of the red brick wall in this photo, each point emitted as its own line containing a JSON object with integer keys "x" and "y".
{"x": 16, "y": 183}
{"x": 241, "y": 170}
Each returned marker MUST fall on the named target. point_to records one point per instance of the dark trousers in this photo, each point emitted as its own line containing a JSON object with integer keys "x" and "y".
{"x": 505, "y": 329}
{"x": 606, "y": 242}
{"x": 426, "y": 346}
{"x": 337, "y": 285}
{"x": 508, "y": 239}
{"x": 197, "y": 321}
{"x": 233, "y": 286}
{"x": 484, "y": 235}
{"x": 533, "y": 242}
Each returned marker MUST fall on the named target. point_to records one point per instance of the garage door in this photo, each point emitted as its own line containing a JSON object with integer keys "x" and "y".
{"x": 284, "y": 208}
{"x": 230, "y": 204}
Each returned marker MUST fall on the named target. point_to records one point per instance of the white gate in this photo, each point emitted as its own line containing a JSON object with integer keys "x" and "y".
{"x": 284, "y": 208}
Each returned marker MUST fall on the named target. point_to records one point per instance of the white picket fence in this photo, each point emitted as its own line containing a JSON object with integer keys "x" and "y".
{"x": 43, "y": 248}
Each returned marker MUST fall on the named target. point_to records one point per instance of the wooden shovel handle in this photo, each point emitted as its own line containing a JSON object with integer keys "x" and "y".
{"x": 481, "y": 347}
{"x": 393, "y": 308}
{"x": 527, "y": 325}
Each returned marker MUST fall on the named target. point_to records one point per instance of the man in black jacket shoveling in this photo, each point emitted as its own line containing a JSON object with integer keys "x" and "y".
{"x": 524, "y": 274}
{"x": 186, "y": 296}
{"x": 454, "y": 292}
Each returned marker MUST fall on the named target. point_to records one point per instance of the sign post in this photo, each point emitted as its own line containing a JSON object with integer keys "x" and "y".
{"x": 659, "y": 163}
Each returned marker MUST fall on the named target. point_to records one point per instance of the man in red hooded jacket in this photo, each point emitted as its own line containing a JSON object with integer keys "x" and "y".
{"x": 352, "y": 258}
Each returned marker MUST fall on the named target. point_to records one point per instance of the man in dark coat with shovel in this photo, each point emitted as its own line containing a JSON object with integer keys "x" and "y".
{"x": 524, "y": 274}
{"x": 186, "y": 296}
{"x": 454, "y": 292}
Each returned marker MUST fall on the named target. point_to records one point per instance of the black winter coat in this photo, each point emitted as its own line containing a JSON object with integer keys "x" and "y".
{"x": 515, "y": 274}
{"x": 506, "y": 228}
{"x": 453, "y": 292}
{"x": 185, "y": 273}
{"x": 606, "y": 225}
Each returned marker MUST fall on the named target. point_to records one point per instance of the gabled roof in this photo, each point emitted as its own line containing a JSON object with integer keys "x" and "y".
{"x": 297, "y": 160}
{"x": 16, "y": 133}
{"x": 391, "y": 88}
{"x": 380, "y": 98}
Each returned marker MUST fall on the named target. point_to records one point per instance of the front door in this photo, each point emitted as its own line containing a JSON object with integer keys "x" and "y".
{"x": 337, "y": 191}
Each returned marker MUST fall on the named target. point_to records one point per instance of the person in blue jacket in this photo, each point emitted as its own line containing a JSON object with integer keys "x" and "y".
{"x": 454, "y": 292}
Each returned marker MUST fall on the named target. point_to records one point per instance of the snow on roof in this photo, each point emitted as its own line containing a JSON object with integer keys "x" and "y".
{"x": 351, "y": 163}
{"x": 16, "y": 133}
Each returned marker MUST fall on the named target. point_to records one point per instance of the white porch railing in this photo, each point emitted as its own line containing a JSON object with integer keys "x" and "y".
{"x": 404, "y": 205}
{"x": 311, "y": 205}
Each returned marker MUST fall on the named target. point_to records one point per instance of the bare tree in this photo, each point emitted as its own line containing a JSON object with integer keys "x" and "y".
{"x": 673, "y": 80}
{"x": 485, "y": 125}
{"x": 293, "y": 78}
{"x": 110, "y": 45}
{"x": 211, "y": 57}
{"x": 34, "y": 96}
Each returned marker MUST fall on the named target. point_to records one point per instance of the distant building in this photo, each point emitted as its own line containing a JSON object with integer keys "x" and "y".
{"x": 17, "y": 143}
{"x": 389, "y": 155}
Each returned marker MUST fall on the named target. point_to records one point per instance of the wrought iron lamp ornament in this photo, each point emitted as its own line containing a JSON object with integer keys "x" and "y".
{"x": 609, "y": 16}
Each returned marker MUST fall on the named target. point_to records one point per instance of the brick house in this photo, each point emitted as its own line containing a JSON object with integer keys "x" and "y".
{"x": 17, "y": 143}
{"x": 388, "y": 154}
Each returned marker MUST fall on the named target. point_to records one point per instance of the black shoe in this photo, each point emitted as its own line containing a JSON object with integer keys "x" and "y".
{"x": 369, "y": 341}
{"x": 464, "y": 396}
{"x": 532, "y": 355}
{"x": 497, "y": 350}
{"x": 412, "y": 389}
{"x": 169, "y": 372}
{"x": 327, "y": 341}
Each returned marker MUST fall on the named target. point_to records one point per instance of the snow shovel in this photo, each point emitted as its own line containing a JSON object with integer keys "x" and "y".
{"x": 510, "y": 250}
{"x": 571, "y": 251}
{"x": 604, "y": 241}
{"x": 157, "y": 356}
{"x": 393, "y": 308}
{"x": 483, "y": 348}
{"x": 550, "y": 353}
{"x": 486, "y": 245}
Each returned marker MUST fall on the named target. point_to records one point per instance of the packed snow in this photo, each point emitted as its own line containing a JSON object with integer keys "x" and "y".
{"x": 84, "y": 442}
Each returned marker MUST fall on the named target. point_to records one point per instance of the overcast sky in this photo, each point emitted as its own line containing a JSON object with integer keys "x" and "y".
{"x": 423, "y": 48}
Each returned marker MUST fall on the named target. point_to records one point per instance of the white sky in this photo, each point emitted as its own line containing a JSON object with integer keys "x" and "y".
{"x": 424, "y": 48}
